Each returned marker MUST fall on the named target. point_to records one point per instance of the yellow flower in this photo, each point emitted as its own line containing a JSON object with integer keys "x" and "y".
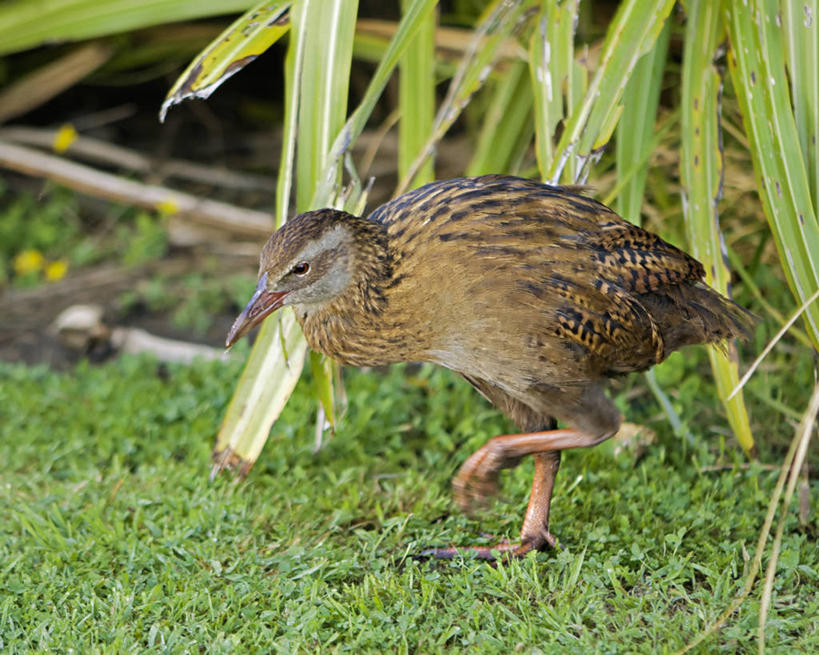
{"x": 65, "y": 136}
{"x": 56, "y": 270}
{"x": 167, "y": 207}
{"x": 28, "y": 261}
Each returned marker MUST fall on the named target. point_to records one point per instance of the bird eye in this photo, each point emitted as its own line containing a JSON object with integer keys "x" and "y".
{"x": 301, "y": 268}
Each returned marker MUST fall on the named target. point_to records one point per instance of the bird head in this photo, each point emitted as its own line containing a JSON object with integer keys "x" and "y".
{"x": 308, "y": 262}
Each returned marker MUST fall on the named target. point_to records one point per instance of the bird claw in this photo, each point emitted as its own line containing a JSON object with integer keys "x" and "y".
{"x": 486, "y": 553}
{"x": 500, "y": 552}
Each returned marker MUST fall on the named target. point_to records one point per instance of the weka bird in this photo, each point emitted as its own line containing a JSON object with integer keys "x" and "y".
{"x": 534, "y": 293}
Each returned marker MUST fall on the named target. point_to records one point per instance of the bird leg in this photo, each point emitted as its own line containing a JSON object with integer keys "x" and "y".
{"x": 534, "y": 534}
{"x": 478, "y": 478}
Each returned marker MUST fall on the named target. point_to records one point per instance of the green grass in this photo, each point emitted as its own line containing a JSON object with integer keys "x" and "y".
{"x": 112, "y": 540}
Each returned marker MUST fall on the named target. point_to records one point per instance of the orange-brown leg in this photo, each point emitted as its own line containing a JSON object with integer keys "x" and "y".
{"x": 534, "y": 534}
{"x": 478, "y": 479}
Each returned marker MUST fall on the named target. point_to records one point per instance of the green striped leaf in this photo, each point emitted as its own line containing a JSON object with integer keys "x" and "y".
{"x": 590, "y": 124}
{"x": 635, "y": 130}
{"x": 552, "y": 67}
{"x": 802, "y": 42}
{"x": 507, "y": 128}
{"x": 701, "y": 168}
{"x": 501, "y": 17}
{"x": 410, "y": 24}
{"x": 26, "y": 24}
{"x": 757, "y": 64}
{"x": 416, "y": 98}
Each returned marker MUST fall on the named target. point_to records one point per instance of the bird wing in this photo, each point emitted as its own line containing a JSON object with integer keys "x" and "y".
{"x": 586, "y": 266}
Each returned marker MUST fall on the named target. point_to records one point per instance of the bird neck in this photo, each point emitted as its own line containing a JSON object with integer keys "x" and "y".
{"x": 349, "y": 328}
{"x": 373, "y": 267}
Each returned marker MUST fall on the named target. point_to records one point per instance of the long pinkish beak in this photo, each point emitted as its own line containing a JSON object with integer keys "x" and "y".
{"x": 261, "y": 305}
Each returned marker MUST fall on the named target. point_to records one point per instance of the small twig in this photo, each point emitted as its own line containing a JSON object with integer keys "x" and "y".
{"x": 742, "y": 467}
{"x": 772, "y": 343}
{"x": 100, "y": 152}
{"x": 136, "y": 341}
{"x": 372, "y": 150}
{"x": 449, "y": 41}
{"x": 104, "y": 185}
{"x": 804, "y": 496}
{"x": 104, "y": 117}
{"x": 801, "y": 439}
{"x": 673, "y": 418}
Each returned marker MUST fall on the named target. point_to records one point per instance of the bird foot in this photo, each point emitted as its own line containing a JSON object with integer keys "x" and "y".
{"x": 472, "y": 492}
{"x": 500, "y": 552}
{"x": 478, "y": 478}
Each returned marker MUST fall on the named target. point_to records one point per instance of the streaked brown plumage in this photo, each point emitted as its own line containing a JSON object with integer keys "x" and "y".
{"x": 535, "y": 294}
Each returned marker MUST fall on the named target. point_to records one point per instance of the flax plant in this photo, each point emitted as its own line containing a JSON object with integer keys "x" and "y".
{"x": 547, "y": 103}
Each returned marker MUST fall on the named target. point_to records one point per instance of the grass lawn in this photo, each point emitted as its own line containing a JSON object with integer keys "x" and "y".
{"x": 112, "y": 540}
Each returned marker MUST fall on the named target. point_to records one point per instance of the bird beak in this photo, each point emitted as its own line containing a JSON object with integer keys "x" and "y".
{"x": 262, "y": 304}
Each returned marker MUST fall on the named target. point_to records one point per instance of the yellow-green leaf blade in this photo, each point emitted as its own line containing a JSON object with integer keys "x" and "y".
{"x": 264, "y": 387}
{"x": 325, "y": 81}
{"x": 246, "y": 38}
{"x": 315, "y": 102}
{"x": 702, "y": 172}
{"x": 411, "y": 22}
